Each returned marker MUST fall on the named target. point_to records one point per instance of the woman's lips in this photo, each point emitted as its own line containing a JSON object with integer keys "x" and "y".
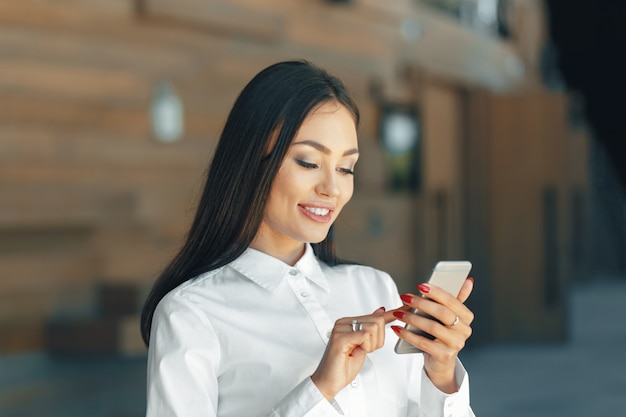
{"x": 315, "y": 213}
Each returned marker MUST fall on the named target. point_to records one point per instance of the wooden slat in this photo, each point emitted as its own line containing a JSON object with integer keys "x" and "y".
{"x": 49, "y": 239}
{"x": 80, "y": 148}
{"x": 71, "y": 26}
{"x": 26, "y": 179}
{"x": 36, "y": 115}
{"x": 136, "y": 252}
{"x": 53, "y": 300}
{"x": 227, "y": 18}
{"x": 56, "y": 205}
{"x": 46, "y": 271}
{"x": 79, "y": 10}
{"x": 36, "y": 304}
{"x": 342, "y": 29}
{"x": 75, "y": 115}
{"x": 45, "y": 46}
{"x": 75, "y": 82}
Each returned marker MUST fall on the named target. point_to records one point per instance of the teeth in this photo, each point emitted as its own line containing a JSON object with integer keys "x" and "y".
{"x": 318, "y": 211}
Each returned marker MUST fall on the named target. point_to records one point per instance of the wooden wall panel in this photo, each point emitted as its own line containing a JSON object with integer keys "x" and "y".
{"x": 73, "y": 82}
{"x": 46, "y": 272}
{"x": 226, "y": 18}
{"x": 443, "y": 162}
{"x": 381, "y": 231}
{"x": 77, "y": 151}
{"x": 40, "y": 204}
{"x": 527, "y": 143}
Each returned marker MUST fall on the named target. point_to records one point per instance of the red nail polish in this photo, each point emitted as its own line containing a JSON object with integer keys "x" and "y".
{"x": 471, "y": 279}
{"x": 382, "y": 308}
{"x": 398, "y": 314}
{"x": 423, "y": 288}
{"x": 406, "y": 298}
{"x": 396, "y": 329}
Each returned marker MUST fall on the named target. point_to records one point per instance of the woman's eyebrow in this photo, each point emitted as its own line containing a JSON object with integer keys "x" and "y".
{"x": 323, "y": 148}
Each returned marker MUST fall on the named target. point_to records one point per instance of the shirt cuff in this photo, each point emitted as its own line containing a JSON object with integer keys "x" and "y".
{"x": 436, "y": 403}
{"x": 305, "y": 400}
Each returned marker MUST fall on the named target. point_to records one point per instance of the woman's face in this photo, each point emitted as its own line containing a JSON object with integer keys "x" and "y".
{"x": 313, "y": 184}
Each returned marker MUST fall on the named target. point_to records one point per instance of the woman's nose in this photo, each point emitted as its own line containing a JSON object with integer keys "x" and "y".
{"x": 328, "y": 184}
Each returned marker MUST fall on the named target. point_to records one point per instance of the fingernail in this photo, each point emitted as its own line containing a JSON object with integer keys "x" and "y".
{"x": 396, "y": 329}
{"x": 406, "y": 298}
{"x": 381, "y": 309}
{"x": 398, "y": 314}
{"x": 423, "y": 288}
{"x": 471, "y": 279}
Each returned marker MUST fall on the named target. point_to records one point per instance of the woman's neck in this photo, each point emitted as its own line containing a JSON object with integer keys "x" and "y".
{"x": 288, "y": 253}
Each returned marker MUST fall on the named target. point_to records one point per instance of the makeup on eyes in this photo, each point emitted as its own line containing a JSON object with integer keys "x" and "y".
{"x": 309, "y": 165}
{"x": 305, "y": 164}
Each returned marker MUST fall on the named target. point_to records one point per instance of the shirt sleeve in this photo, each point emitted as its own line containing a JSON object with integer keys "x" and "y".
{"x": 307, "y": 401}
{"x": 435, "y": 403}
{"x": 182, "y": 360}
{"x": 183, "y": 363}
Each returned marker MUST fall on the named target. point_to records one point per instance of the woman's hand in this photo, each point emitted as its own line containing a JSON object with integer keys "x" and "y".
{"x": 347, "y": 349}
{"x": 439, "y": 354}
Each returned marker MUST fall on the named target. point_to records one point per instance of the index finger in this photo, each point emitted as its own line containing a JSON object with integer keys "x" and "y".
{"x": 389, "y": 317}
{"x": 441, "y": 296}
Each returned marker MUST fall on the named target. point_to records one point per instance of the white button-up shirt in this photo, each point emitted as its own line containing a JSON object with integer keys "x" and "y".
{"x": 243, "y": 340}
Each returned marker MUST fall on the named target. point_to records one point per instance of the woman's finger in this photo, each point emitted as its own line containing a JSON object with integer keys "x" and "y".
{"x": 389, "y": 316}
{"x": 440, "y": 304}
{"x": 466, "y": 290}
{"x": 367, "y": 332}
{"x": 448, "y": 333}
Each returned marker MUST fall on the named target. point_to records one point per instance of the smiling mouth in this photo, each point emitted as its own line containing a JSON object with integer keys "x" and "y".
{"x": 317, "y": 211}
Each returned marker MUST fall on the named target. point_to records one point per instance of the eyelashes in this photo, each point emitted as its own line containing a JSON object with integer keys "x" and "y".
{"x": 309, "y": 165}
{"x": 305, "y": 164}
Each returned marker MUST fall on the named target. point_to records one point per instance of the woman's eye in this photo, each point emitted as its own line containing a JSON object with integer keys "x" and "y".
{"x": 346, "y": 171}
{"x": 306, "y": 164}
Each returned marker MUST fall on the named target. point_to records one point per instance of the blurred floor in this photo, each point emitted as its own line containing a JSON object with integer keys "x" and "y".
{"x": 38, "y": 385}
{"x": 585, "y": 377}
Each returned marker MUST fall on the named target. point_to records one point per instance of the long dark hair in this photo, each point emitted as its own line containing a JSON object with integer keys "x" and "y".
{"x": 259, "y": 129}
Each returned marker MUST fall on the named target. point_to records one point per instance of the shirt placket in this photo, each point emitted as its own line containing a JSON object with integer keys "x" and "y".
{"x": 354, "y": 392}
{"x": 301, "y": 288}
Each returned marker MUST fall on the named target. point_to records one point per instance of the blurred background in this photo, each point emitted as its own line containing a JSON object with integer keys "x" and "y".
{"x": 491, "y": 131}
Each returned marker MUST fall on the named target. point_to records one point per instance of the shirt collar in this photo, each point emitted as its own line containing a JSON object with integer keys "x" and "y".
{"x": 269, "y": 272}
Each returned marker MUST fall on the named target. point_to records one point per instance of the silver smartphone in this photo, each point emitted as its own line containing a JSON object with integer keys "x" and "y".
{"x": 447, "y": 275}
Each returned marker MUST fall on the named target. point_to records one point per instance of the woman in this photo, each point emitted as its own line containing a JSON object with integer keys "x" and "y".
{"x": 256, "y": 316}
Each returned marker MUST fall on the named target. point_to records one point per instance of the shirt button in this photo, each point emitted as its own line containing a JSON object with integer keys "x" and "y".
{"x": 354, "y": 383}
{"x": 293, "y": 271}
{"x": 304, "y": 294}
